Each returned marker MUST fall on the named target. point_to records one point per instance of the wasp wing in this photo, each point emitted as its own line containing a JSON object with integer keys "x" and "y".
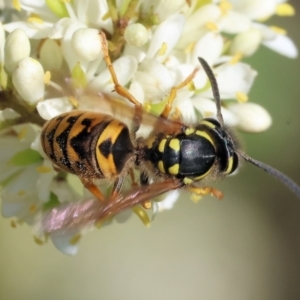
{"x": 83, "y": 214}
{"x": 124, "y": 111}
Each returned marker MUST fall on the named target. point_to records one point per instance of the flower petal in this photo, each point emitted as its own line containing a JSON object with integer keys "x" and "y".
{"x": 51, "y": 108}
{"x": 166, "y": 35}
{"x": 251, "y": 116}
{"x": 208, "y": 109}
{"x": 124, "y": 67}
{"x": 209, "y": 47}
{"x": 283, "y": 45}
{"x": 63, "y": 242}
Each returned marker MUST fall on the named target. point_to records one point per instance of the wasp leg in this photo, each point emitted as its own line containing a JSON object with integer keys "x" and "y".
{"x": 116, "y": 188}
{"x": 173, "y": 93}
{"x": 132, "y": 177}
{"x": 120, "y": 89}
{"x": 205, "y": 191}
{"x": 144, "y": 180}
{"x": 93, "y": 189}
{"x": 176, "y": 117}
{"x": 138, "y": 196}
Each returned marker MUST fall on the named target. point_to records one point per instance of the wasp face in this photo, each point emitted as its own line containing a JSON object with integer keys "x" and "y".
{"x": 224, "y": 144}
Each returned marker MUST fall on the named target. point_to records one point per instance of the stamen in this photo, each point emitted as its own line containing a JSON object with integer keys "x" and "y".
{"x": 285, "y": 10}
{"x": 16, "y": 4}
{"x": 241, "y": 97}
{"x": 189, "y": 48}
{"x": 35, "y": 18}
{"x": 75, "y": 239}
{"x": 225, "y": 6}
{"x": 22, "y": 133}
{"x": 56, "y": 86}
{"x": 32, "y": 208}
{"x": 73, "y": 101}
{"x": 38, "y": 241}
{"x": 13, "y": 224}
{"x": 212, "y": 26}
{"x": 278, "y": 30}
{"x": 47, "y": 78}
{"x": 236, "y": 58}
{"x": 163, "y": 49}
{"x": 43, "y": 169}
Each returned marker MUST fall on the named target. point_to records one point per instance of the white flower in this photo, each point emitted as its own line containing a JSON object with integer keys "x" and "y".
{"x": 24, "y": 176}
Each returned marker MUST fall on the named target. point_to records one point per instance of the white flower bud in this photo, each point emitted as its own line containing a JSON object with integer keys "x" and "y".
{"x": 136, "y": 35}
{"x": 86, "y": 43}
{"x": 16, "y": 48}
{"x": 246, "y": 43}
{"x": 251, "y": 117}
{"x": 28, "y": 79}
{"x": 51, "y": 55}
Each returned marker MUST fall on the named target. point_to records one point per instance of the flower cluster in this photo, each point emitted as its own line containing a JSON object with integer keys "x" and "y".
{"x": 154, "y": 45}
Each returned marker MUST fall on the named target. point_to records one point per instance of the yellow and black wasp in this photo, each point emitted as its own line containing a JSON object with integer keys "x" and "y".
{"x": 175, "y": 155}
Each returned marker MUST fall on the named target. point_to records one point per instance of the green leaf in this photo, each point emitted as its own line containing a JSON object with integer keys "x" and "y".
{"x": 201, "y": 3}
{"x": 78, "y": 77}
{"x": 75, "y": 183}
{"x": 8, "y": 179}
{"x": 25, "y": 158}
{"x": 53, "y": 202}
{"x": 123, "y": 7}
{"x": 157, "y": 108}
{"x": 3, "y": 78}
{"x": 58, "y": 7}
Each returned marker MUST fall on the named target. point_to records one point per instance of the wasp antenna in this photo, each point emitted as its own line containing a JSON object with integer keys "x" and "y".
{"x": 288, "y": 182}
{"x": 214, "y": 87}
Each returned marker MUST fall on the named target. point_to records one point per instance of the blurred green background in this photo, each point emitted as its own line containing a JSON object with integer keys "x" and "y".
{"x": 246, "y": 246}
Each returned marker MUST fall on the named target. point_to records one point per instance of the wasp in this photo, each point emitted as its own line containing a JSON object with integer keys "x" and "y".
{"x": 174, "y": 155}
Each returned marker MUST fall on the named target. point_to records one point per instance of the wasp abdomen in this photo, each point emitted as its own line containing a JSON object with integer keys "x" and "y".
{"x": 87, "y": 144}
